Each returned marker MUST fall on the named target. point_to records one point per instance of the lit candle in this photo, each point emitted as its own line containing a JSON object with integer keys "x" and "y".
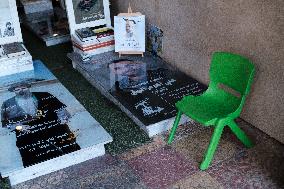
{"x": 19, "y": 128}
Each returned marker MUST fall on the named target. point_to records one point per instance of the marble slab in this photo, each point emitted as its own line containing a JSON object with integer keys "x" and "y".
{"x": 50, "y": 26}
{"x": 61, "y": 133}
{"x": 145, "y": 88}
{"x": 40, "y": 73}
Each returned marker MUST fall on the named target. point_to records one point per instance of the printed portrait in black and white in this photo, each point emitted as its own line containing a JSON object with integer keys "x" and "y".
{"x": 9, "y": 30}
{"x": 88, "y": 10}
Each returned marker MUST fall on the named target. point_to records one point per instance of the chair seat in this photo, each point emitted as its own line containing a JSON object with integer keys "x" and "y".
{"x": 208, "y": 108}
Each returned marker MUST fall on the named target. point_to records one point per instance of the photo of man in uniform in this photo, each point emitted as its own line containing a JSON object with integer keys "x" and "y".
{"x": 40, "y": 122}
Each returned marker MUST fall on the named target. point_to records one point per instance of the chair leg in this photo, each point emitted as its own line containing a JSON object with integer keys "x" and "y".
{"x": 174, "y": 128}
{"x": 240, "y": 134}
{"x": 212, "y": 146}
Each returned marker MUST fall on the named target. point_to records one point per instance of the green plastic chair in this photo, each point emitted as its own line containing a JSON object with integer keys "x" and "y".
{"x": 231, "y": 77}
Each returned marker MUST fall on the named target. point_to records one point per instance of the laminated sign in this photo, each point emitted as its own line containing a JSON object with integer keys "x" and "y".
{"x": 129, "y": 33}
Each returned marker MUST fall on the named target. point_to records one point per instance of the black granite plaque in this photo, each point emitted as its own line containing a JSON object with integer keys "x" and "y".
{"x": 39, "y": 120}
{"x": 154, "y": 98}
{"x": 146, "y": 88}
{"x": 13, "y": 48}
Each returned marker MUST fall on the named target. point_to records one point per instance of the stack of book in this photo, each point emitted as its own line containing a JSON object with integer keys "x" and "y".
{"x": 14, "y": 58}
{"x": 93, "y": 40}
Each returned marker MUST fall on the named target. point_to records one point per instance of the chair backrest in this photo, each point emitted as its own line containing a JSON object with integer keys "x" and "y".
{"x": 233, "y": 71}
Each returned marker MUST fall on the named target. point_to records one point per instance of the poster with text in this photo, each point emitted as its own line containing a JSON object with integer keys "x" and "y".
{"x": 88, "y": 10}
{"x": 129, "y": 33}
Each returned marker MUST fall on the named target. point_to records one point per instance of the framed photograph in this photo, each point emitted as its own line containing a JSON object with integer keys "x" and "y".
{"x": 129, "y": 33}
{"x": 87, "y": 13}
{"x": 10, "y": 30}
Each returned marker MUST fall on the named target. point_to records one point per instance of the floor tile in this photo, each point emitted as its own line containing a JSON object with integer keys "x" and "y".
{"x": 256, "y": 135}
{"x": 260, "y": 167}
{"x": 161, "y": 168}
{"x": 113, "y": 177}
{"x": 68, "y": 176}
{"x": 104, "y": 172}
{"x": 197, "y": 181}
{"x": 195, "y": 146}
{"x": 44, "y": 182}
{"x": 156, "y": 143}
{"x": 92, "y": 166}
{"x": 184, "y": 130}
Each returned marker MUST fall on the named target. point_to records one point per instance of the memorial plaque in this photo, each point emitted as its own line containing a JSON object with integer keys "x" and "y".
{"x": 146, "y": 88}
{"x": 154, "y": 99}
{"x": 12, "y": 48}
{"x": 43, "y": 127}
{"x": 39, "y": 121}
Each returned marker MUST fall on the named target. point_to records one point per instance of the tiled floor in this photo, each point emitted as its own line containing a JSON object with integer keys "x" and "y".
{"x": 157, "y": 165}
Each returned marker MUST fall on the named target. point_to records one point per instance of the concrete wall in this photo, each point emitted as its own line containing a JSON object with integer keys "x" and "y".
{"x": 194, "y": 29}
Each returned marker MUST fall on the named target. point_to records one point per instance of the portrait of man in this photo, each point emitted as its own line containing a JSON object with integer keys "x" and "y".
{"x": 127, "y": 74}
{"x": 9, "y": 30}
{"x": 129, "y": 28}
{"x": 129, "y": 33}
{"x": 40, "y": 122}
{"x": 130, "y": 38}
